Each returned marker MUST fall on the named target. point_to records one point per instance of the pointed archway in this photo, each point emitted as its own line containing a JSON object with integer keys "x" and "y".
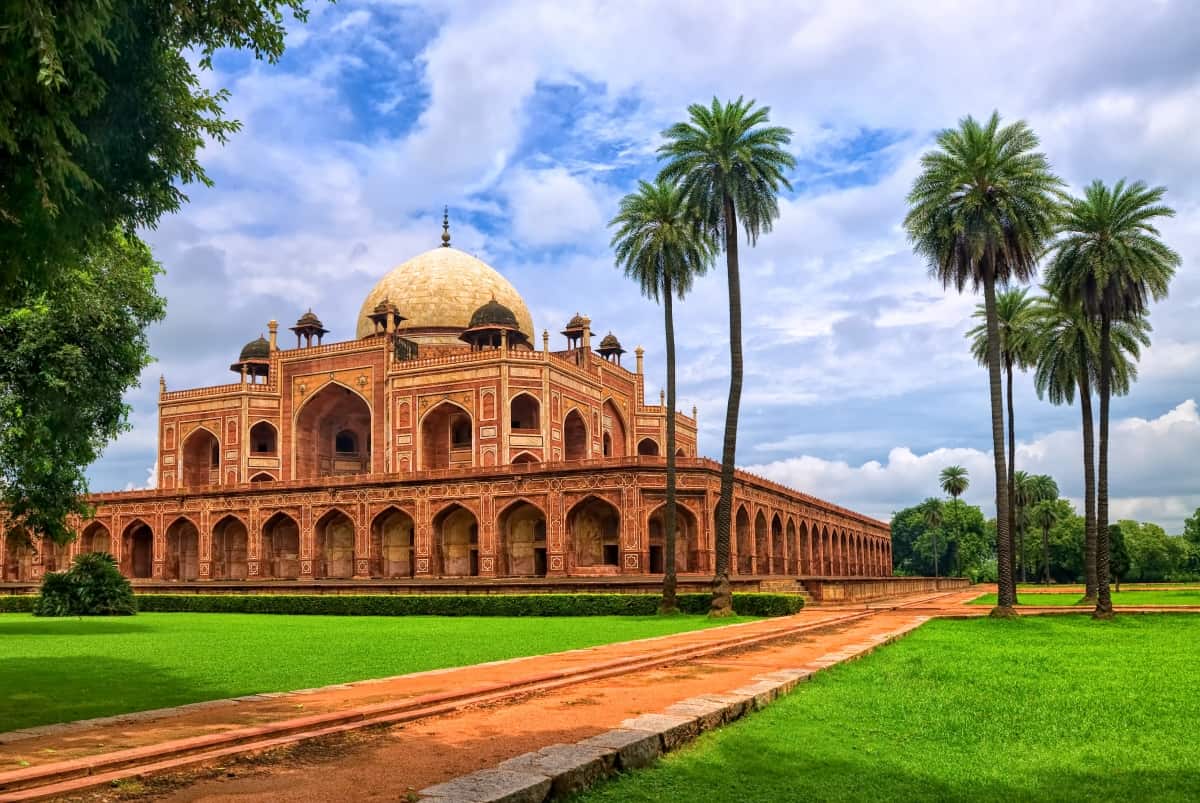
{"x": 280, "y": 548}
{"x": 447, "y": 438}
{"x": 201, "y": 459}
{"x": 332, "y": 434}
{"x": 455, "y": 543}
{"x": 521, "y": 546}
{"x": 575, "y": 436}
{"x": 334, "y": 543}
{"x": 594, "y": 534}
{"x": 230, "y": 543}
{"x": 182, "y": 558}
{"x": 392, "y": 544}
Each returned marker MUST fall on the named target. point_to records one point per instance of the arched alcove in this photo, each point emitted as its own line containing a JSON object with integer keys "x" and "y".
{"x": 182, "y": 558}
{"x": 575, "y": 436}
{"x": 264, "y": 440}
{"x": 392, "y": 544}
{"x": 456, "y": 543}
{"x": 447, "y": 438}
{"x": 525, "y": 413}
{"x": 333, "y": 434}
{"x": 201, "y": 459}
{"x": 687, "y": 540}
{"x": 137, "y": 550}
{"x": 521, "y": 550}
{"x": 648, "y": 447}
{"x": 778, "y": 547}
{"x": 334, "y": 544}
{"x": 594, "y": 533}
{"x": 95, "y": 538}
{"x": 614, "y": 430}
{"x": 744, "y": 541}
{"x": 280, "y": 548}
{"x": 230, "y": 543}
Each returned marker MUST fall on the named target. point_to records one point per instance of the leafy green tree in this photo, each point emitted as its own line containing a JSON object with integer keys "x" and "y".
{"x": 1149, "y": 552}
{"x": 102, "y": 116}
{"x": 1191, "y": 528}
{"x": 93, "y": 586}
{"x": 981, "y": 212}
{"x": 1067, "y": 361}
{"x": 731, "y": 167}
{"x": 660, "y": 247}
{"x": 960, "y": 540}
{"x": 1111, "y": 261}
{"x": 67, "y": 353}
{"x": 1013, "y": 314}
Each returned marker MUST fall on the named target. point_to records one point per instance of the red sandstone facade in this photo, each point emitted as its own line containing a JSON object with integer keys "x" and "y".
{"x": 443, "y": 444}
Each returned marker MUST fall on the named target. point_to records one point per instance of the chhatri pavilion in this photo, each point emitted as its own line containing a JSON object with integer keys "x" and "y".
{"x": 446, "y": 439}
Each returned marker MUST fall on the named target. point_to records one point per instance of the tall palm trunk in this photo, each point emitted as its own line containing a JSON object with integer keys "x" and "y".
{"x": 1046, "y": 554}
{"x": 1103, "y": 599}
{"x": 722, "y": 602}
{"x": 1089, "y": 479}
{"x": 1004, "y": 546}
{"x": 1013, "y": 525}
{"x": 668, "y": 604}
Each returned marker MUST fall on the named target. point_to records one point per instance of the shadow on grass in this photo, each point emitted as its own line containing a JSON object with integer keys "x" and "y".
{"x": 41, "y": 691}
{"x": 97, "y": 626}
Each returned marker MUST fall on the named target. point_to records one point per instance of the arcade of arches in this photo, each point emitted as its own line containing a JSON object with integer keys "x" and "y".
{"x": 616, "y": 529}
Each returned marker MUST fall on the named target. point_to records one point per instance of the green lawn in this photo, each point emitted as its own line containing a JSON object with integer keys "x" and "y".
{"x": 1037, "y": 708}
{"x": 57, "y": 670}
{"x": 1163, "y": 597}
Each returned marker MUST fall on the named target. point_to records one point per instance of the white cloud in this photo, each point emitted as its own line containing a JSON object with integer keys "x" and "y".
{"x": 1154, "y": 471}
{"x": 552, "y": 206}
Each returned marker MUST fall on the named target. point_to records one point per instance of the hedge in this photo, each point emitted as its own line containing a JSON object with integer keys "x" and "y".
{"x": 438, "y": 604}
{"x": 18, "y": 603}
{"x": 459, "y": 604}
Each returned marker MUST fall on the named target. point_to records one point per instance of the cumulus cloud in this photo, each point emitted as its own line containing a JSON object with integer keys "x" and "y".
{"x": 1154, "y": 472}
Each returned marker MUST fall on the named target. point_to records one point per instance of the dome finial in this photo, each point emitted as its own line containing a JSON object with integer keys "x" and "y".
{"x": 445, "y": 227}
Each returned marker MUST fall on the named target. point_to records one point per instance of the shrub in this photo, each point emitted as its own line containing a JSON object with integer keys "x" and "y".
{"x": 18, "y": 603}
{"x": 93, "y": 586}
{"x": 459, "y": 604}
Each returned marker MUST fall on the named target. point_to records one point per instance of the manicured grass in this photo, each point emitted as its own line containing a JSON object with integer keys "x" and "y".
{"x": 1037, "y": 708}
{"x": 57, "y": 670}
{"x": 1161, "y": 597}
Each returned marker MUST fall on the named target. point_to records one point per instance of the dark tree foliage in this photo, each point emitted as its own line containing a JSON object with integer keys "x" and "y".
{"x": 964, "y": 545}
{"x": 93, "y": 586}
{"x": 102, "y": 115}
{"x": 68, "y": 351}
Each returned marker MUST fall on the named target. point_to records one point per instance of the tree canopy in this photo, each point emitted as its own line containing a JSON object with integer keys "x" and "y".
{"x": 67, "y": 354}
{"x": 102, "y": 115}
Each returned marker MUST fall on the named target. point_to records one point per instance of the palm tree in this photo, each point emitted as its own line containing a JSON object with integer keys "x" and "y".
{"x": 954, "y": 481}
{"x": 1013, "y": 309}
{"x": 931, "y": 514}
{"x": 1044, "y": 490}
{"x": 981, "y": 213}
{"x": 1067, "y": 361}
{"x": 661, "y": 248}
{"x": 1040, "y": 488}
{"x": 1111, "y": 261}
{"x": 730, "y": 167}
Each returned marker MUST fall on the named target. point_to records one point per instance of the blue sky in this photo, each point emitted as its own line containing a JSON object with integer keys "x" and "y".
{"x": 530, "y": 120}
